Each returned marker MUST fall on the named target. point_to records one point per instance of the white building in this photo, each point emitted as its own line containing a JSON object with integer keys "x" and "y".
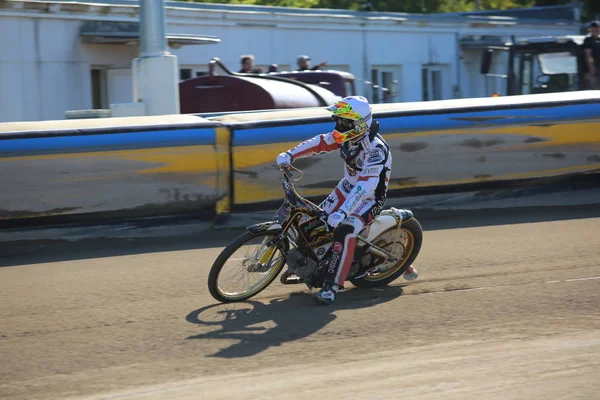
{"x": 71, "y": 55}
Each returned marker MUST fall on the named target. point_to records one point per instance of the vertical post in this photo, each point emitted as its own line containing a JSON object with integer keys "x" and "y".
{"x": 155, "y": 75}
{"x": 458, "y": 93}
{"x": 153, "y": 40}
{"x": 365, "y": 61}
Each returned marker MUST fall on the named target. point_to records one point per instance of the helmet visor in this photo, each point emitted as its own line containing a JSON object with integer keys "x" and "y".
{"x": 343, "y": 125}
{"x": 345, "y": 129}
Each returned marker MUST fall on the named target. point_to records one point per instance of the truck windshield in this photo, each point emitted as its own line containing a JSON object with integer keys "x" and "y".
{"x": 544, "y": 72}
{"x": 349, "y": 84}
{"x": 558, "y": 63}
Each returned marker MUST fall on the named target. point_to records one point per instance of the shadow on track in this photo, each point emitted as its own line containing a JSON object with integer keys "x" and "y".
{"x": 55, "y": 250}
{"x": 506, "y": 216}
{"x": 45, "y": 251}
{"x": 295, "y": 317}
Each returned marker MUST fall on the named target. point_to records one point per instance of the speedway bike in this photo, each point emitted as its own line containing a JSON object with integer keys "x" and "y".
{"x": 300, "y": 237}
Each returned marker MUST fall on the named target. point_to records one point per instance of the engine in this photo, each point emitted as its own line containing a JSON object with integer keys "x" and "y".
{"x": 360, "y": 262}
{"x": 299, "y": 265}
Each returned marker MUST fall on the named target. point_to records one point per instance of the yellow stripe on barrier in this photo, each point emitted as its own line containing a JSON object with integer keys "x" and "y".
{"x": 182, "y": 159}
{"x": 254, "y": 193}
{"x": 507, "y": 177}
{"x": 223, "y": 176}
{"x": 250, "y": 156}
{"x": 563, "y": 133}
{"x": 560, "y": 134}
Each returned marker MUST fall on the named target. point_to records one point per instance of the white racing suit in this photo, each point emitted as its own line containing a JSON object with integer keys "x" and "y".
{"x": 360, "y": 194}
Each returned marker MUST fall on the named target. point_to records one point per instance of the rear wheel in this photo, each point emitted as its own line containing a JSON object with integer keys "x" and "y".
{"x": 246, "y": 267}
{"x": 405, "y": 243}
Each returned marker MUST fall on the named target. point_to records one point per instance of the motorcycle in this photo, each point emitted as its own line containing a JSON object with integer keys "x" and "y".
{"x": 300, "y": 236}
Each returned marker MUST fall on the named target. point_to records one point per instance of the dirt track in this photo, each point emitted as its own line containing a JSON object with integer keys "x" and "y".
{"x": 507, "y": 307}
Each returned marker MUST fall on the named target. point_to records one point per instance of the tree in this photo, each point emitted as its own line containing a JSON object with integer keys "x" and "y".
{"x": 276, "y": 3}
{"x": 591, "y": 8}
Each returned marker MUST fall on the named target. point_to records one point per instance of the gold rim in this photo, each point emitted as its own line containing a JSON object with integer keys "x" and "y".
{"x": 408, "y": 241}
{"x": 274, "y": 269}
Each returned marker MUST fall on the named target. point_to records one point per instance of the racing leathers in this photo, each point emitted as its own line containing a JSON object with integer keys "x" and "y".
{"x": 360, "y": 195}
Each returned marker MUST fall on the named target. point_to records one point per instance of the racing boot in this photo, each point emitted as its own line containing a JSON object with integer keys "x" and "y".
{"x": 327, "y": 293}
{"x": 410, "y": 274}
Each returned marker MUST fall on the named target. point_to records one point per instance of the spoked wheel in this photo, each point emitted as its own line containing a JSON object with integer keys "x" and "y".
{"x": 245, "y": 267}
{"x": 403, "y": 242}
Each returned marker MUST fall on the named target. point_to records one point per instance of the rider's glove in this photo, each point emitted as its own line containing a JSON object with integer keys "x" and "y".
{"x": 335, "y": 218}
{"x": 284, "y": 160}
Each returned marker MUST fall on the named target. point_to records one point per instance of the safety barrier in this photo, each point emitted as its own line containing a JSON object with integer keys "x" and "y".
{"x": 61, "y": 171}
{"x": 185, "y": 164}
{"x": 440, "y": 146}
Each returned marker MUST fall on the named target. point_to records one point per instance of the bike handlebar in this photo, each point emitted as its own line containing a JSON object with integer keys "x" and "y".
{"x": 320, "y": 214}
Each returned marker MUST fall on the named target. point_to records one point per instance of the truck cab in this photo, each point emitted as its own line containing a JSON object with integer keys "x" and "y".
{"x": 549, "y": 64}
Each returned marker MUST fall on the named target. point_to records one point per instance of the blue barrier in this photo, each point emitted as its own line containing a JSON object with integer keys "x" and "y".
{"x": 437, "y": 146}
{"x": 85, "y": 170}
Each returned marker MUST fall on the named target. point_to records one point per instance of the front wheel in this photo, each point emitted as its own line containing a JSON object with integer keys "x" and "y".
{"x": 246, "y": 266}
{"x": 404, "y": 242}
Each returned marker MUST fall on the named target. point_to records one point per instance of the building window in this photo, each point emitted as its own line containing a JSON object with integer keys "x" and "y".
{"x": 388, "y": 86}
{"x": 189, "y": 73}
{"x": 435, "y": 82}
{"x": 185, "y": 73}
{"x": 436, "y": 85}
{"x": 192, "y": 71}
{"x": 425, "y": 81}
{"x": 374, "y": 85}
{"x": 385, "y": 81}
{"x": 98, "y": 80}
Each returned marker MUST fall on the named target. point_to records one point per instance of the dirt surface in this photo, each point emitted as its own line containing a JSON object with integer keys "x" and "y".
{"x": 506, "y": 307}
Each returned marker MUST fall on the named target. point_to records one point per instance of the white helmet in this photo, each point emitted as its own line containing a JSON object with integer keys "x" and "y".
{"x": 352, "y": 116}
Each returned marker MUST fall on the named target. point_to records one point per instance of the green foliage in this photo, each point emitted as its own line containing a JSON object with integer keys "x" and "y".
{"x": 277, "y": 3}
{"x": 591, "y": 7}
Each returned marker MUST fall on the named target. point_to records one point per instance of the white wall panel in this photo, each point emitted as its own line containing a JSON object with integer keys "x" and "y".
{"x": 109, "y": 55}
{"x": 9, "y": 43}
{"x": 53, "y": 90}
{"x": 411, "y": 82}
{"x": 59, "y": 40}
{"x": 11, "y": 94}
{"x": 17, "y": 40}
{"x": 31, "y": 101}
{"x": 79, "y": 87}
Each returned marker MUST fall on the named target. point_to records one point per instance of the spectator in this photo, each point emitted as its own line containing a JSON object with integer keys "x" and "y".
{"x": 273, "y": 68}
{"x": 591, "y": 48}
{"x": 304, "y": 64}
{"x": 247, "y": 62}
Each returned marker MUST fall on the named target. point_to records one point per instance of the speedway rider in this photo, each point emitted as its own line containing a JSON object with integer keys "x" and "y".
{"x": 359, "y": 196}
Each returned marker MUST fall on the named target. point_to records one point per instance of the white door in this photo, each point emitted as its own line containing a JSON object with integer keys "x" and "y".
{"x": 119, "y": 86}
{"x": 436, "y": 82}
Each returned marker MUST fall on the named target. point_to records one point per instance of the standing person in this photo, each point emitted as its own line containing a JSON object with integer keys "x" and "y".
{"x": 360, "y": 195}
{"x": 247, "y": 63}
{"x": 591, "y": 49}
{"x": 304, "y": 64}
